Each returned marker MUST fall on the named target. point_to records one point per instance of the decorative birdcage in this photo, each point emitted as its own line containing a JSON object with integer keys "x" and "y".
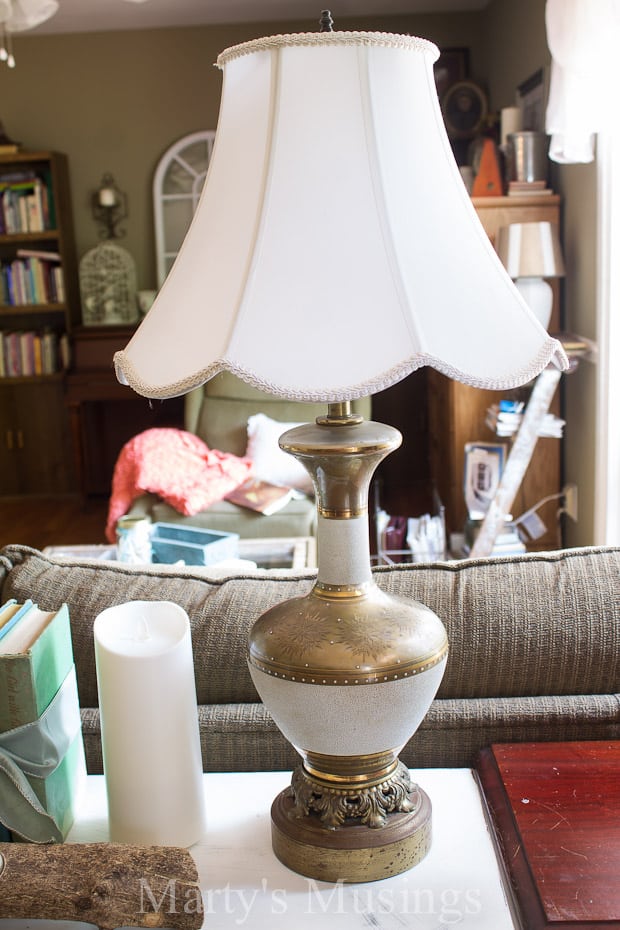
{"x": 108, "y": 286}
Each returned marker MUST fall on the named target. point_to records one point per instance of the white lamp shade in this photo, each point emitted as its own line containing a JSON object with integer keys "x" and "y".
{"x": 530, "y": 250}
{"x": 335, "y": 248}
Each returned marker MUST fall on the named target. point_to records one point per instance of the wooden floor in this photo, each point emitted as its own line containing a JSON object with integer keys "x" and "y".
{"x": 41, "y": 522}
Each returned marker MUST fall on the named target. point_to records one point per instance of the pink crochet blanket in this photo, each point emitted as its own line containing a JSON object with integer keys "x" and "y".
{"x": 176, "y": 465}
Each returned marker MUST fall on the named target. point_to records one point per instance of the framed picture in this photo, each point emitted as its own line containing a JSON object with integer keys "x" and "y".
{"x": 464, "y": 107}
{"x": 451, "y": 66}
{"x": 532, "y": 101}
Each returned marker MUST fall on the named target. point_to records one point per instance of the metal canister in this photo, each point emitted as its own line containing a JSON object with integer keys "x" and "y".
{"x": 133, "y": 540}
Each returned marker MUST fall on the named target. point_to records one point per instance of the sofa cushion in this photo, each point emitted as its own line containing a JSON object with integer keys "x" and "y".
{"x": 297, "y": 518}
{"x": 244, "y": 737}
{"x": 538, "y": 624}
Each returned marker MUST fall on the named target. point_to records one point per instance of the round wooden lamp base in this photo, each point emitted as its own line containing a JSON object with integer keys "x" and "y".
{"x": 354, "y": 852}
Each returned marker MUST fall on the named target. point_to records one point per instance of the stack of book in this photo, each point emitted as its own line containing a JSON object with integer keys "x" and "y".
{"x": 507, "y": 542}
{"x": 33, "y": 277}
{"x": 528, "y": 188}
{"x": 28, "y": 353}
{"x": 38, "y": 687}
{"x": 505, "y": 419}
{"x": 26, "y": 203}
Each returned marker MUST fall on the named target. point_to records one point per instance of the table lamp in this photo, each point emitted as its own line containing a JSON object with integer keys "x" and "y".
{"x": 531, "y": 252}
{"x": 334, "y": 251}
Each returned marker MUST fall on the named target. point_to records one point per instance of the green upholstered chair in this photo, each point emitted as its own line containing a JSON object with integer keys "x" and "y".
{"x": 218, "y": 413}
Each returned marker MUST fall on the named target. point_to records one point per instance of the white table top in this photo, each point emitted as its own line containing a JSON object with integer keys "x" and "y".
{"x": 244, "y": 885}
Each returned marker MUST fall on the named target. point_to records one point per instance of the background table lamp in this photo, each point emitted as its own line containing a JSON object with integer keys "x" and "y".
{"x": 334, "y": 251}
{"x": 531, "y": 252}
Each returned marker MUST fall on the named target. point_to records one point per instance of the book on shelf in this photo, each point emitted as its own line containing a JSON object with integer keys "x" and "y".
{"x": 27, "y": 353}
{"x": 27, "y": 342}
{"x": 42, "y": 254}
{"x": 26, "y": 203}
{"x": 507, "y": 542}
{"x": 262, "y": 496}
{"x": 12, "y": 354}
{"x": 507, "y": 423}
{"x": 38, "y": 687}
{"x": 525, "y": 188}
{"x": 33, "y": 277}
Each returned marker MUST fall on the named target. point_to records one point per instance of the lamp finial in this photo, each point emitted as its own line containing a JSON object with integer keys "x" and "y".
{"x": 326, "y": 22}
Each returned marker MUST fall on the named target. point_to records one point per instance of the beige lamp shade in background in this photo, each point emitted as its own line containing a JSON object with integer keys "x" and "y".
{"x": 335, "y": 250}
{"x": 531, "y": 252}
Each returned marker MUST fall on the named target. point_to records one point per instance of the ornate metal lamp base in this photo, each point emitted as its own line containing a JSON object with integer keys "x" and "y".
{"x": 347, "y": 672}
{"x": 353, "y": 835}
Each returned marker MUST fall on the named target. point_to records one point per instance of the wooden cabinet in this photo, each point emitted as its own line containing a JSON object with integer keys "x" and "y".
{"x": 39, "y": 305}
{"x": 34, "y": 445}
{"x": 457, "y": 412}
{"x": 437, "y": 416}
{"x": 105, "y": 414}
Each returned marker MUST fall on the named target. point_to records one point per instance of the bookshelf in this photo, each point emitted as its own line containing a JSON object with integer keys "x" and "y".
{"x": 457, "y": 412}
{"x": 39, "y": 307}
{"x": 438, "y": 416}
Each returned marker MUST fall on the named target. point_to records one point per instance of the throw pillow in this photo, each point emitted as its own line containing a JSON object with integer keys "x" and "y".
{"x": 269, "y": 461}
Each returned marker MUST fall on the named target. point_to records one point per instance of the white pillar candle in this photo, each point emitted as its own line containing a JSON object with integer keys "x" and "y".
{"x": 149, "y": 724}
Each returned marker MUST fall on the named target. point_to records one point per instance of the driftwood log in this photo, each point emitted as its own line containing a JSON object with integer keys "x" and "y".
{"x": 105, "y": 884}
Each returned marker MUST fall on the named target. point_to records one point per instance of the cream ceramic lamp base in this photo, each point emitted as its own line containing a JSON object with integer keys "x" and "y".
{"x": 348, "y": 673}
{"x": 538, "y": 295}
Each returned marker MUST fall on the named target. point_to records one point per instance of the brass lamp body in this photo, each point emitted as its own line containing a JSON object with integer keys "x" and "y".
{"x": 348, "y": 673}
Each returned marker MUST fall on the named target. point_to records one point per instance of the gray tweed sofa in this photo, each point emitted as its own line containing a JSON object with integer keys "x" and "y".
{"x": 535, "y": 647}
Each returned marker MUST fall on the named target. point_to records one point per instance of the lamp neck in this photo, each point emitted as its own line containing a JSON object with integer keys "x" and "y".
{"x": 340, "y": 452}
{"x": 339, "y": 414}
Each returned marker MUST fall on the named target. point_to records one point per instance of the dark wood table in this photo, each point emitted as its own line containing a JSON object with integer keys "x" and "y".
{"x": 555, "y": 808}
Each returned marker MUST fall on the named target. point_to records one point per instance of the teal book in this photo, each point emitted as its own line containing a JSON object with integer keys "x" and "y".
{"x": 13, "y": 615}
{"x": 36, "y": 657}
{"x": 6, "y": 612}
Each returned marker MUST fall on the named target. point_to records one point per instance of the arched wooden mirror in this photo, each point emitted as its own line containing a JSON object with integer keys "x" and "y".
{"x": 177, "y": 184}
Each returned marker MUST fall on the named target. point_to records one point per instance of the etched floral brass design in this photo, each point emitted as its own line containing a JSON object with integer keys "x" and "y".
{"x": 362, "y": 639}
{"x": 368, "y": 805}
